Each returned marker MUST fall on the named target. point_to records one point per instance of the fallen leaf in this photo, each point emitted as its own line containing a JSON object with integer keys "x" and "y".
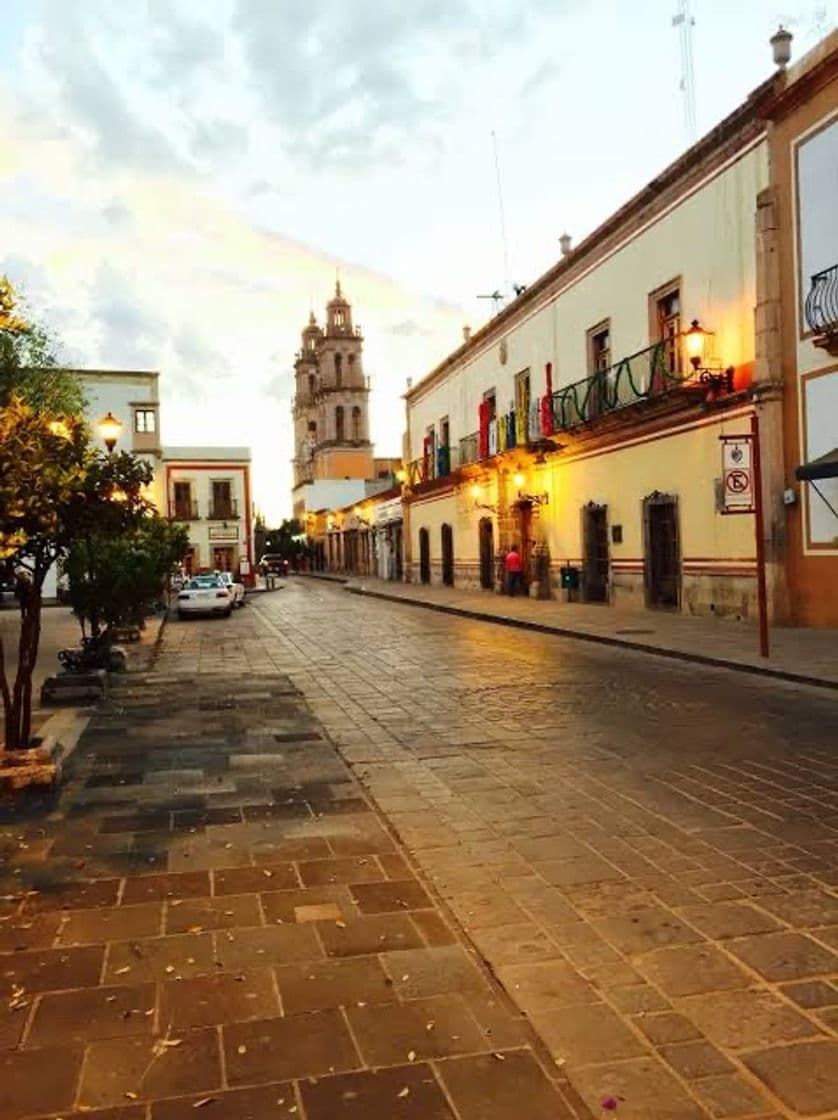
{"x": 203, "y": 1102}
{"x": 170, "y": 968}
{"x": 195, "y": 929}
{"x": 405, "y": 1092}
{"x": 242, "y": 1050}
{"x": 411, "y": 1057}
{"x": 340, "y": 924}
{"x": 267, "y": 874}
{"x": 429, "y": 1026}
{"x": 131, "y": 1096}
{"x": 500, "y": 1057}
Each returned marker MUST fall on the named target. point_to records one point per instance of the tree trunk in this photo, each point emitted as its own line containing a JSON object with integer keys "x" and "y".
{"x": 17, "y": 702}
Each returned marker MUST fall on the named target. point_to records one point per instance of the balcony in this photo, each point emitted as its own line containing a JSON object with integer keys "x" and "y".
{"x": 644, "y": 376}
{"x": 641, "y": 377}
{"x": 183, "y": 510}
{"x": 223, "y": 511}
{"x": 821, "y": 309}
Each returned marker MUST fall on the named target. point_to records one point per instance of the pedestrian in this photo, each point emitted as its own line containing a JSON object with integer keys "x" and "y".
{"x": 514, "y": 571}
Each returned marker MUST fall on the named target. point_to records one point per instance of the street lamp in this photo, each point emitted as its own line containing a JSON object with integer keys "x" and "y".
{"x": 476, "y": 492}
{"x": 520, "y": 481}
{"x": 109, "y": 429}
{"x": 713, "y": 376}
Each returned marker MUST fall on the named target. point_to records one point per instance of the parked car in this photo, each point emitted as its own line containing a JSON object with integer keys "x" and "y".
{"x": 205, "y": 595}
{"x": 229, "y": 580}
{"x": 272, "y": 563}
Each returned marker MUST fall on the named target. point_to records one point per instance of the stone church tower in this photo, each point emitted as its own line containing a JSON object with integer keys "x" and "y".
{"x": 331, "y": 402}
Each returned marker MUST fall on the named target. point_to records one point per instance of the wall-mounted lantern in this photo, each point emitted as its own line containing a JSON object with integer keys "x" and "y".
{"x": 696, "y": 340}
{"x": 520, "y": 481}
{"x": 476, "y": 492}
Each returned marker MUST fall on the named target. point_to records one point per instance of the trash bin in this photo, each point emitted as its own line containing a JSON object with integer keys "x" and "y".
{"x": 569, "y": 578}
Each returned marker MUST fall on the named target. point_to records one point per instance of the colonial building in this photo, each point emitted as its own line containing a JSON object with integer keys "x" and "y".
{"x": 584, "y": 422}
{"x": 802, "y": 208}
{"x": 207, "y": 488}
{"x": 334, "y": 464}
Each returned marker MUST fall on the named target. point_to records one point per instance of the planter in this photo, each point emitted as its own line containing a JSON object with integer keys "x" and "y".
{"x": 41, "y": 766}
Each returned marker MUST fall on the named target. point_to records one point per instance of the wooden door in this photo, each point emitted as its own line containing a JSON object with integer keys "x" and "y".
{"x": 525, "y": 543}
{"x": 447, "y": 540}
{"x": 595, "y": 553}
{"x": 662, "y": 559}
{"x": 487, "y": 553}
{"x": 424, "y": 556}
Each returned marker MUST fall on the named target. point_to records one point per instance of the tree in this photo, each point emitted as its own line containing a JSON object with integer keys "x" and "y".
{"x": 116, "y": 579}
{"x": 29, "y": 365}
{"x": 288, "y": 540}
{"x": 54, "y": 488}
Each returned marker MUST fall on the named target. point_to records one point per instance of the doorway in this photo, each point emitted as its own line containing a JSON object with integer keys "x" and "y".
{"x": 525, "y": 543}
{"x": 662, "y": 560}
{"x": 487, "y": 553}
{"x": 595, "y": 553}
{"x": 424, "y": 556}
{"x": 447, "y": 537}
{"x": 223, "y": 559}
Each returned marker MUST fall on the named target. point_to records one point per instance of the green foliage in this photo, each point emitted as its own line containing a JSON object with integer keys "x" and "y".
{"x": 54, "y": 489}
{"x": 116, "y": 580}
{"x": 288, "y": 540}
{"x": 29, "y": 364}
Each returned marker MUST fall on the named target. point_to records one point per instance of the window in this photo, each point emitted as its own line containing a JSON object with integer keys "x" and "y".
{"x": 339, "y": 424}
{"x": 222, "y": 505}
{"x": 665, "y": 324}
{"x": 522, "y": 406}
{"x": 311, "y": 384}
{"x": 182, "y": 492}
{"x": 444, "y": 432}
{"x": 338, "y": 318}
{"x": 356, "y": 424}
{"x": 599, "y": 347}
{"x": 145, "y": 420}
{"x": 490, "y": 398}
{"x": 338, "y": 370}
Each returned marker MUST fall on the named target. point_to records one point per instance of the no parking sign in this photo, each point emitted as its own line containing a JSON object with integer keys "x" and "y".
{"x": 738, "y": 474}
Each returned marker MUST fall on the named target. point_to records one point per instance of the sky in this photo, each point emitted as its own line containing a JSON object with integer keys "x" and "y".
{"x": 181, "y": 180}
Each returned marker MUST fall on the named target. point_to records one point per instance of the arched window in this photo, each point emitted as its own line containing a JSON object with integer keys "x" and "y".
{"x": 356, "y": 423}
{"x": 311, "y": 384}
{"x": 339, "y": 432}
{"x": 338, "y": 318}
{"x": 338, "y": 370}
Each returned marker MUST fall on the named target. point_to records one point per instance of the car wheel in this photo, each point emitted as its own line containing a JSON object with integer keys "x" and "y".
{"x": 181, "y": 615}
{"x": 228, "y": 612}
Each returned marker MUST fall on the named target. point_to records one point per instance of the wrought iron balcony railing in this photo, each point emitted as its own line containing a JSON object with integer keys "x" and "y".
{"x": 821, "y": 307}
{"x": 223, "y": 511}
{"x": 183, "y": 510}
{"x": 648, "y": 373}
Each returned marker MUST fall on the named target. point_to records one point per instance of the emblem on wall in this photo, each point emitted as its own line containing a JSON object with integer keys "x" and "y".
{"x": 502, "y": 352}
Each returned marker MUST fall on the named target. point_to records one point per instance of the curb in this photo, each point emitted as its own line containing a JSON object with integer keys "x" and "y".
{"x": 600, "y": 639}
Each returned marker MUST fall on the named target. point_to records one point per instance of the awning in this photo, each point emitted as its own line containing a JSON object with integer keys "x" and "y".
{"x": 825, "y": 466}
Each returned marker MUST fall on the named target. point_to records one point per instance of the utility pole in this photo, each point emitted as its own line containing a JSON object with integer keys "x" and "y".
{"x": 685, "y": 23}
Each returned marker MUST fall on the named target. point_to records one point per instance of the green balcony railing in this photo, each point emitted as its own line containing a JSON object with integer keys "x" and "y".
{"x": 649, "y": 373}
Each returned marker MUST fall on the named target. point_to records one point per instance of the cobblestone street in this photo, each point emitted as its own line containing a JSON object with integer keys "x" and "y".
{"x": 512, "y": 873}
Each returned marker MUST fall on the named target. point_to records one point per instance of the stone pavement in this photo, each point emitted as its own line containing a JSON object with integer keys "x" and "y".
{"x": 796, "y": 654}
{"x": 214, "y": 921}
{"x": 643, "y": 852}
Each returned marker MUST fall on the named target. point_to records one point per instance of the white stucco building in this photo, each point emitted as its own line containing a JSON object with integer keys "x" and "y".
{"x": 206, "y": 488}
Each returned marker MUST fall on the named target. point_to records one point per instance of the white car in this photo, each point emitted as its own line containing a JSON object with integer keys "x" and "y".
{"x": 229, "y": 580}
{"x": 205, "y": 595}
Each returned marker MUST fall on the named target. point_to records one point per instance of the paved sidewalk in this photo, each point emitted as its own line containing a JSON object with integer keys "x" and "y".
{"x": 800, "y": 655}
{"x": 216, "y": 922}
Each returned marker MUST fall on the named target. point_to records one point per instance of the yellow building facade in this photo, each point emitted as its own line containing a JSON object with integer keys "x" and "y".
{"x": 584, "y": 422}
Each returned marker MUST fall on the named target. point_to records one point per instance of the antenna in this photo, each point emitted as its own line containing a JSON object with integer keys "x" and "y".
{"x": 684, "y": 21}
{"x": 497, "y": 300}
{"x": 502, "y": 217}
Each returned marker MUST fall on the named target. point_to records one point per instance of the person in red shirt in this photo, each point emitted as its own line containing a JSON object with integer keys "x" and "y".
{"x": 514, "y": 571}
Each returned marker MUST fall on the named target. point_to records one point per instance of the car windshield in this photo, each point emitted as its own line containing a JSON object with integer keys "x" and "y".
{"x": 204, "y": 582}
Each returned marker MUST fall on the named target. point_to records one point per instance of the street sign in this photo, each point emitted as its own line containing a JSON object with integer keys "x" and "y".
{"x": 738, "y": 492}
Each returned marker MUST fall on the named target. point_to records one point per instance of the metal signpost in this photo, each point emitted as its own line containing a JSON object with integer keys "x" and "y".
{"x": 742, "y": 493}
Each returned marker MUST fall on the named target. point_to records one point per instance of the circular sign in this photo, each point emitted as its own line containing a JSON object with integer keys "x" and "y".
{"x": 738, "y": 481}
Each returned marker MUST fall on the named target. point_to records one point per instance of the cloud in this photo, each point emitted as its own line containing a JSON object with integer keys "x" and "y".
{"x": 130, "y": 335}
{"x": 407, "y": 328}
